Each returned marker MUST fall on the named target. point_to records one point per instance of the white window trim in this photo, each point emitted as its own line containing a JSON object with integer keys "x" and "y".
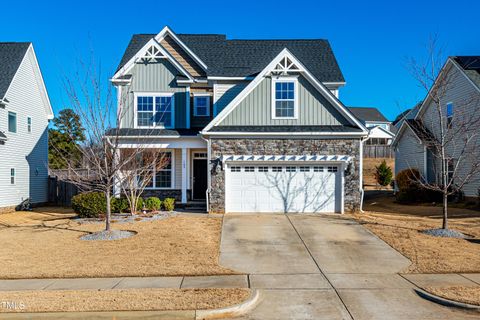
{"x": 154, "y": 95}
{"x": 172, "y": 170}
{"x": 293, "y": 79}
{"x": 8, "y": 122}
{"x": 14, "y": 176}
{"x": 196, "y": 95}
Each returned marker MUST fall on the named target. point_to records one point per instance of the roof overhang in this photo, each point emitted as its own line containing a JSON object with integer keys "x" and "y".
{"x": 287, "y": 158}
{"x": 286, "y": 134}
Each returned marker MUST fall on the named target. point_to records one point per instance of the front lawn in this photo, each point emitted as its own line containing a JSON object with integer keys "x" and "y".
{"x": 399, "y": 226}
{"x": 46, "y": 244}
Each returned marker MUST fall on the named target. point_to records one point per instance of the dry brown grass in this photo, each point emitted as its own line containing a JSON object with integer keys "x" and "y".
{"x": 46, "y": 244}
{"x": 470, "y": 295}
{"x": 428, "y": 254}
{"x": 124, "y": 299}
{"x": 369, "y": 170}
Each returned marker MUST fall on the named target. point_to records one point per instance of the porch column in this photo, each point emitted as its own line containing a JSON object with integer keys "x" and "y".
{"x": 184, "y": 174}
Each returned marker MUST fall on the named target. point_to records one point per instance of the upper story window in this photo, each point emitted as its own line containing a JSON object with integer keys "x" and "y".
{"x": 12, "y": 176}
{"x": 449, "y": 114}
{"x": 285, "y": 100}
{"x": 155, "y": 110}
{"x": 201, "y": 105}
{"x": 29, "y": 124}
{"x": 12, "y": 122}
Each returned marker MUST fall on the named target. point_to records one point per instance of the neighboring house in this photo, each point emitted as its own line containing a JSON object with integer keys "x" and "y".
{"x": 249, "y": 125}
{"x": 421, "y": 125}
{"x": 407, "y": 114}
{"x": 380, "y": 129}
{"x": 24, "y": 114}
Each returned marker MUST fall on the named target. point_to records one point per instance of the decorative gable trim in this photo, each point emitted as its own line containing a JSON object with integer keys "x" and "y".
{"x": 151, "y": 50}
{"x": 146, "y": 52}
{"x": 283, "y": 63}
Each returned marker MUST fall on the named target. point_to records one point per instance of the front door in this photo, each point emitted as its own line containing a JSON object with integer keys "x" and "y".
{"x": 199, "y": 179}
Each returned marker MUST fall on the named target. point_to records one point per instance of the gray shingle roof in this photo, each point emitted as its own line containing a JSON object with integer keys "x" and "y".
{"x": 11, "y": 55}
{"x": 471, "y": 67}
{"x": 321, "y": 128}
{"x": 241, "y": 58}
{"x": 367, "y": 114}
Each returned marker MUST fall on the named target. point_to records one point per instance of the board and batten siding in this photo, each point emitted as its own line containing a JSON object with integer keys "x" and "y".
{"x": 256, "y": 108}
{"x": 26, "y": 152}
{"x": 409, "y": 153}
{"x": 466, "y": 101}
{"x": 153, "y": 77}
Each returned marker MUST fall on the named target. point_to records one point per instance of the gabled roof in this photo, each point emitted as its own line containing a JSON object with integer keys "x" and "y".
{"x": 425, "y": 136}
{"x": 284, "y": 56}
{"x": 11, "y": 56}
{"x": 246, "y": 58}
{"x": 407, "y": 114}
{"x": 368, "y": 114}
{"x": 470, "y": 66}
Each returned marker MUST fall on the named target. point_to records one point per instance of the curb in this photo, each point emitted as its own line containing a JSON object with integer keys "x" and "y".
{"x": 232, "y": 311}
{"x": 445, "y": 302}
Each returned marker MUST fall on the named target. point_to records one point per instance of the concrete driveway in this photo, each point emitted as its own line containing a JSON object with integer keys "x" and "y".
{"x": 322, "y": 267}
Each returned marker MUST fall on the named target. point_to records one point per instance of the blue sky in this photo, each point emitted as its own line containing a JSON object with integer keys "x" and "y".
{"x": 371, "y": 39}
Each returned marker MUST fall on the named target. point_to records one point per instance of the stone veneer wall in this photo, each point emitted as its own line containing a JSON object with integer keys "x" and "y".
{"x": 252, "y": 146}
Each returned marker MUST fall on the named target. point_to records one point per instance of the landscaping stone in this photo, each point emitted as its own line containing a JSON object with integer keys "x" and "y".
{"x": 109, "y": 235}
{"x": 447, "y": 233}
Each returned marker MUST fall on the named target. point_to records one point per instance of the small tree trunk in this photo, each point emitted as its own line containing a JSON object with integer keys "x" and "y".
{"x": 109, "y": 210}
{"x": 445, "y": 211}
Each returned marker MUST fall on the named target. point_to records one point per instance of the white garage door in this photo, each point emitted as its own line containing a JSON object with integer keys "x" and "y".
{"x": 283, "y": 188}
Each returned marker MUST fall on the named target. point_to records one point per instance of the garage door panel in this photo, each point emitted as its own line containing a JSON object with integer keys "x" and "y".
{"x": 293, "y": 189}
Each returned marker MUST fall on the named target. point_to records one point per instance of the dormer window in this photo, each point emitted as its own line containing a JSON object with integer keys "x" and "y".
{"x": 201, "y": 105}
{"x": 155, "y": 110}
{"x": 284, "y": 98}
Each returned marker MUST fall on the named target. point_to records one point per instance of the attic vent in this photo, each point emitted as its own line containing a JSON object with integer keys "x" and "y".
{"x": 286, "y": 65}
{"x": 153, "y": 54}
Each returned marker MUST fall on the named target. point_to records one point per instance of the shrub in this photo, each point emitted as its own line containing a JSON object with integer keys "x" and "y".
{"x": 383, "y": 174}
{"x": 169, "y": 204}
{"x": 140, "y": 204}
{"x": 153, "y": 203}
{"x": 120, "y": 205}
{"x": 410, "y": 191}
{"x": 89, "y": 204}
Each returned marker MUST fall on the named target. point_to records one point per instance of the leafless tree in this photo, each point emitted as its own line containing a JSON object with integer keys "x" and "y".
{"x": 91, "y": 96}
{"x": 449, "y": 131}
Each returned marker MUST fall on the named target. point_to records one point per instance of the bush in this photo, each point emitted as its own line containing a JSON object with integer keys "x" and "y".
{"x": 169, "y": 204}
{"x": 383, "y": 174}
{"x": 153, "y": 203}
{"x": 140, "y": 204}
{"x": 120, "y": 205}
{"x": 89, "y": 204}
{"x": 410, "y": 191}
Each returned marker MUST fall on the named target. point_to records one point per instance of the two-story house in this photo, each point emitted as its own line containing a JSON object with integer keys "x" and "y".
{"x": 249, "y": 125}
{"x": 457, "y": 88}
{"x": 24, "y": 114}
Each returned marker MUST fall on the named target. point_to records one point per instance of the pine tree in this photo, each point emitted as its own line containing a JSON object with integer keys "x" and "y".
{"x": 383, "y": 174}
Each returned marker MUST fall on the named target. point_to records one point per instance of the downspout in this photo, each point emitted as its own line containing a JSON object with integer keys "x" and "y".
{"x": 207, "y": 198}
{"x": 362, "y": 193}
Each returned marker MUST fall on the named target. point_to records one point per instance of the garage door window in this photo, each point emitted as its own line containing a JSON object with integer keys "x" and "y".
{"x": 276, "y": 169}
{"x": 262, "y": 169}
{"x": 235, "y": 169}
{"x": 291, "y": 169}
{"x": 304, "y": 169}
{"x": 332, "y": 169}
{"x": 249, "y": 169}
{"x": 317, "y": 169}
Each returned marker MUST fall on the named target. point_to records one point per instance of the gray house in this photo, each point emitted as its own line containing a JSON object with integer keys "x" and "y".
{"x": 248, "y": 125}
{"x": 24, "y": 114}
{"x": 460, "y": 79}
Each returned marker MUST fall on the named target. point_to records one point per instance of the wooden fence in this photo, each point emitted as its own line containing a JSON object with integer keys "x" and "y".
{"x": 378, "y": 151}
{"x": 60, "y": 192}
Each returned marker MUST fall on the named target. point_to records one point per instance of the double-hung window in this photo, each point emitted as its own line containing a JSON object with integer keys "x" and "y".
{"x": 284, "y": 98}
{"x": 161, "y": 175}
{"x": 155, "y": 110}
{"x": 449, "y": 114}
{"x": 201, "y": 105}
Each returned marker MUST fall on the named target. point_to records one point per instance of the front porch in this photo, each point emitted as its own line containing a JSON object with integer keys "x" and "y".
{"x": 184, "y": 177}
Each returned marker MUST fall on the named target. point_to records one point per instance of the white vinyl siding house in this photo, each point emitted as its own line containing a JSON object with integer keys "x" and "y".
{"x": 25, "y": 152}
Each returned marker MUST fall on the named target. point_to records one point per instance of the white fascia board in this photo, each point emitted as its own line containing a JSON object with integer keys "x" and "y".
{"x": 283, "y": 134}
{"x": 152, "y": 42}
{"x": 386, "y": 131}
{"x": 254, "y": 83}
{"x": 166, "y": 30}
{"x": 229, "y": 78}
{"x": 334, "y": 84}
